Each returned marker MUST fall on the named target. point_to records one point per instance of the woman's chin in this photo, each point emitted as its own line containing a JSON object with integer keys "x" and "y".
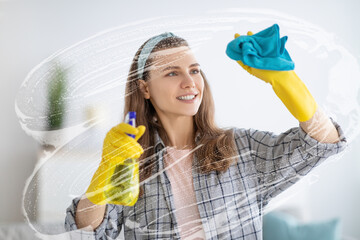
{"x": 191, "y": 113}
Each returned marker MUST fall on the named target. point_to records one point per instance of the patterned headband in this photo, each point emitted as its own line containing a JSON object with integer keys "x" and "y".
{"x": 146, "y": 50}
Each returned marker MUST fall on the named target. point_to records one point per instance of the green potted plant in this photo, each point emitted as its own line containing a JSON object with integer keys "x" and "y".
{"x": 56, "y": 98}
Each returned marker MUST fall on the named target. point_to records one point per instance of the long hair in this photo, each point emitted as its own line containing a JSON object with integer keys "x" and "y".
{"x": 217, "y": 149}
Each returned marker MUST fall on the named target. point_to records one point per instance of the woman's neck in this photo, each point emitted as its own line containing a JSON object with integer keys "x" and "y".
{"x": 179, "y": 130}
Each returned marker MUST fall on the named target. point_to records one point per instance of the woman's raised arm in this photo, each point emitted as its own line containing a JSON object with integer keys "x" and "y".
{"x": 321, "y": 128}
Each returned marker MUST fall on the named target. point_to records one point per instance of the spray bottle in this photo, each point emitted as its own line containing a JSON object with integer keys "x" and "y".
{"x": 123, "y": 178}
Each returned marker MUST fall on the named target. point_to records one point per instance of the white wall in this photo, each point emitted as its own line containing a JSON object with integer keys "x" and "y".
{"x": 32, "y": 31}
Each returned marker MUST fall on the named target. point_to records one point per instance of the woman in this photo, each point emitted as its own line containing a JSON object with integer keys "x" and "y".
{"x": 197, "y": 181}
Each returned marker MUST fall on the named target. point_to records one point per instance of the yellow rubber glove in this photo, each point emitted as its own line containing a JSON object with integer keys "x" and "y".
{"x": 289, "y": 88}
{"x": 117, "y": 148}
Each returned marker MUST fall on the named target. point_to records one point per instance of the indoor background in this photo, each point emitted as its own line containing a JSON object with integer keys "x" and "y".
{"x": 37, "y": 182}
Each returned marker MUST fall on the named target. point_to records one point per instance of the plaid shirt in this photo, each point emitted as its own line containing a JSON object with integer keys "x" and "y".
{"x": 230, "y": 204}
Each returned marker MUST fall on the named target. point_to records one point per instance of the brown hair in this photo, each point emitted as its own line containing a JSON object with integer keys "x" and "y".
{"x": 217, "y": 149}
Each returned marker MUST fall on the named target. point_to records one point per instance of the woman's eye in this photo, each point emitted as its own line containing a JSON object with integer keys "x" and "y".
{"x": 195, "y": 71}
{"x": 172, "y": 74}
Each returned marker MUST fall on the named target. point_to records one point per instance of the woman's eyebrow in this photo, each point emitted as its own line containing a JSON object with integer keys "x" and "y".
{"x": 177, "y": 67}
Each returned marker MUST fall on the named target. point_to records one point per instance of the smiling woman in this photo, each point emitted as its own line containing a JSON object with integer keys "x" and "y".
{"x": 170, "y": 87}
{"x": 172, "y": 71}
{"x": 198, "y": 181}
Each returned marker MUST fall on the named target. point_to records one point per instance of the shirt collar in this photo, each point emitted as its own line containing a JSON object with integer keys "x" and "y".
{"x": 159, "y": 144}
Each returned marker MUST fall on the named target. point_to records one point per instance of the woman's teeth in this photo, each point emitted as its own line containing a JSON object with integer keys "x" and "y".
{"x": 188, "y": 97}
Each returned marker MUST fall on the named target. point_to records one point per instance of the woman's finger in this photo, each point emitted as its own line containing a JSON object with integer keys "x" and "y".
{"x": 141, "y": 130}
{"x": 125, "y": 128}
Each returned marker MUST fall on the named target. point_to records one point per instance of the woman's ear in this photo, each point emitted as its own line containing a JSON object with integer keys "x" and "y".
{"x": 144, "y": 88}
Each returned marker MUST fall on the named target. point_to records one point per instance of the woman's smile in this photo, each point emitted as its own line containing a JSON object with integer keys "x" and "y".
{"x": 188, "y": 98}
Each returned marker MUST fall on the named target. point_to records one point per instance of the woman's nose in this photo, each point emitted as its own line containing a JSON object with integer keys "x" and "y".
{"x": 188, "y": 81}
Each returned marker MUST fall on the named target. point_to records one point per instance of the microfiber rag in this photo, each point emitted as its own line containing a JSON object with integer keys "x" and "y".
{"x": 263, "y": 50}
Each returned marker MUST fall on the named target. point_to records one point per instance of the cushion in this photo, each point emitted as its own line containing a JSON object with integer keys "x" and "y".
{"x": 282, "y": 226}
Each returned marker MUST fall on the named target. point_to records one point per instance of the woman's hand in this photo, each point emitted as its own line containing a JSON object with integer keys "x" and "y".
{"x": 288, "y": 87}
{"x": 117, "y": 147}
{"x": 268, "y": 76}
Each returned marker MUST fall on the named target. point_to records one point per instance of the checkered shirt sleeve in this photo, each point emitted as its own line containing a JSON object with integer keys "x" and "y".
{"x": 109, "y": 227}
{"x": 281, "y": 160}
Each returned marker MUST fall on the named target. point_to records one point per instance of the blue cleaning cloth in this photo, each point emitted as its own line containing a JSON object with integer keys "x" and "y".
{"x": 263, "y": 50}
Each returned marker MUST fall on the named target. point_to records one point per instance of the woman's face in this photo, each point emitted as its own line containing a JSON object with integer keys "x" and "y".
{"x": 176, "y": 86}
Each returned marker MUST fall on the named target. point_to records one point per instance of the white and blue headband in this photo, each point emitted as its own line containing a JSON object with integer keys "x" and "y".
{"x": 147, "y": 49}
